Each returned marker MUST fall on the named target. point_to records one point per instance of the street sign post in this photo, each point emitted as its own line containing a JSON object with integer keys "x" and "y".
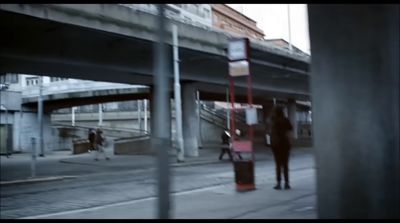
{"x": 243, "y": 154}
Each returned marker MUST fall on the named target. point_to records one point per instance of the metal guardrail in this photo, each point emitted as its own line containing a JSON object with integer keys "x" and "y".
{"x": 141, "y": 133}
{"x": 219, "y": 117}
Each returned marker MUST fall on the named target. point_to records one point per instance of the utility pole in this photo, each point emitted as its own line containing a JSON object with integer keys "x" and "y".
{"x": 139, "y": 114}
{"x": 160, "y": 136}
{"x": 40, "y": 116}
{"x": 177, "y": 96}
{"x": 145, "y": 115}
{"x": 73, "y": 115}
{"x": 228, "y": 118}
{"x": 100, "y": 115}
{"x": 290, "y": 36}
{"x": 198, "y": 118}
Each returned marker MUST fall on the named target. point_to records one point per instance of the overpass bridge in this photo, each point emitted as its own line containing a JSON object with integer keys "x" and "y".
{"x": 107, "y": 42}
{"x": 113, "y": 43}
{"x": 70, "y": 93}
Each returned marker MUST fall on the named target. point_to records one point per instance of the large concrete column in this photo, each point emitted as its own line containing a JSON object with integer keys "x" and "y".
{"x": 355, "y": 95}
{"x": 292, "y": 114}
{"x": 153, "y": 125}
{"x": 190, "y": 120}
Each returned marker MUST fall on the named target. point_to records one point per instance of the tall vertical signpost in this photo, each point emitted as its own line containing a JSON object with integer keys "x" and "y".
{"x": 243, "y": 154}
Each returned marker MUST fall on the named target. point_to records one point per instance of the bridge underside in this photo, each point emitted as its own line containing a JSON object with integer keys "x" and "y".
{"x": 44, "y": 47}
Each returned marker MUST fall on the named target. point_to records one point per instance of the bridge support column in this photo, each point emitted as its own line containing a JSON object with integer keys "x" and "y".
{"x": 355, "y": 96}
{"x": 153, "y": 125}
{"x": 190, "y": 120}
{"x": 292, "y": 114}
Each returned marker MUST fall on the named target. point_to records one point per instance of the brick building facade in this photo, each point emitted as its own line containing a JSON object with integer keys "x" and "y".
{"x": 228, "y": 19}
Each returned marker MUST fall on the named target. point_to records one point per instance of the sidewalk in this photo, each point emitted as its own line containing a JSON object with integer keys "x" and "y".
{"x": 62, "y": 164}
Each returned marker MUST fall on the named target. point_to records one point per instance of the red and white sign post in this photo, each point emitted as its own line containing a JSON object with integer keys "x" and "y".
{"x": 243, "y": 154}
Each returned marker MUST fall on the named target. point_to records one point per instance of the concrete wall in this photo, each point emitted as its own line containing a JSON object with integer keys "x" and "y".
{"x": 210, "y": 133}
{"x": 29, "y": 127}
{"x": 133, "y": 147}
{"x": 11, "y": 100}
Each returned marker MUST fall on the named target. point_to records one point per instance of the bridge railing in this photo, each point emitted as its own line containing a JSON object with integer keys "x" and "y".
{"x": 219, "y": 117}
{"x": 114, "y": 132}
{"x": 73, "y": 85}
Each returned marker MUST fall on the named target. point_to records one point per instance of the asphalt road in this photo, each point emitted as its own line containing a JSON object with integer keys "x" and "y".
{"x": 202, "y": 191}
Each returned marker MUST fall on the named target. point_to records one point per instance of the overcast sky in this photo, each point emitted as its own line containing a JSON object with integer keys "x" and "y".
{"x": 273, "y": 20}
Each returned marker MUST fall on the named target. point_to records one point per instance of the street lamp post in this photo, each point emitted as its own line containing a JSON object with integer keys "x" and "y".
{"x": 177, "y": 96}
{"x": 40, "y": 116}
{"x": 290, "y": 36}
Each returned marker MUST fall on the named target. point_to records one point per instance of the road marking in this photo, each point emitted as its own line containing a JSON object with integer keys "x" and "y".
{"x": 122, "y": 203}
{"x": 305, "y": 208}
{"x": 36, "y": 180}
{"x": 143, "y": 199}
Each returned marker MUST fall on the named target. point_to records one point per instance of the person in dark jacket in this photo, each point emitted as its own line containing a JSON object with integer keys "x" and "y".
{"x": 280, "y": 144}
{"x": 91, "y": 138}
{"x": 225, "y": 148}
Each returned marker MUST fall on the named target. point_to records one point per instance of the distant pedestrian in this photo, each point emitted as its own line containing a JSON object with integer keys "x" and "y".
{"x": 226, "y": 142}
{"x": 99, "y": 141}
{"x": 281, "y": 145}
{"x": 91, "y": 138}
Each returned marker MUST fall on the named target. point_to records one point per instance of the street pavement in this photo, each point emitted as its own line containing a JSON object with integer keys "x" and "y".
{"x": 125, "y": 187}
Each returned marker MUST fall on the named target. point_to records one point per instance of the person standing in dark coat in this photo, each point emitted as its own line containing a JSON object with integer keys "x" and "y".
{"x": 280, "y": 144}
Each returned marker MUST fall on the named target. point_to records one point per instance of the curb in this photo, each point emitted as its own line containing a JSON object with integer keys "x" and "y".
{"x": 36, "y": 180}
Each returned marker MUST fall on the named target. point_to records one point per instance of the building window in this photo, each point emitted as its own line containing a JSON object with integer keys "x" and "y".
{"x": 30, "y": 81}
{"x": 54, "y": 79}
{"x": 9, "y": 79}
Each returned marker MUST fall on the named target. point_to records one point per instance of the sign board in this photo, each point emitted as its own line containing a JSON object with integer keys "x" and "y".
{"x": 251, "y": 116}
{"x": 239, "y": 68}
{"x": 237, "y": 49}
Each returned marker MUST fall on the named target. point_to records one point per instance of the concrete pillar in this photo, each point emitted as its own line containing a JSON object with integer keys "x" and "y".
{"x": 355, "y": 95}
{"x": 190, "y": 120}
{"x": 292, "y": 114}
{"x": 153, "y": 125}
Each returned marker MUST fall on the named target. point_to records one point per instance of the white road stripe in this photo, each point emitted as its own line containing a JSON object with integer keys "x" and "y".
{"x": 121, "y": 203}
{"x": 264, "y": 178}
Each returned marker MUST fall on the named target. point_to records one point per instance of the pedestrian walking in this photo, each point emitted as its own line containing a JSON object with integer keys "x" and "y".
{"x": 281, "y": 146}
{"x": 99, "y": 141}
{"x": 91, "y": 138}
{"x": 226, "y": 142}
